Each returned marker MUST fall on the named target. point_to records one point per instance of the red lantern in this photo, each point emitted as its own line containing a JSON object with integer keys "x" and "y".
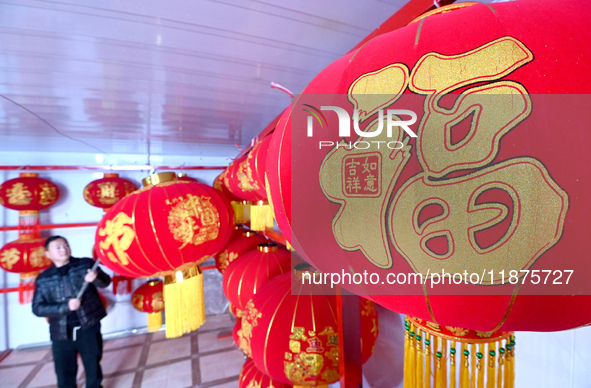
{"x": 450, "y": 200}
{"x": 242, "y": 240}
{"x": 252, "y": 270}
{"x": 167, "y": 229}
{"x": 240, "y": 206}
{"x": 237, "y": 333}
{"x": 292, "y": 333}
{"x": 28, "y": 192}
{"x": 148, "y": 298}
{"x": 250, "y": 377}
{"x": 25, "y": 256}
{"x": 105, "y": 192}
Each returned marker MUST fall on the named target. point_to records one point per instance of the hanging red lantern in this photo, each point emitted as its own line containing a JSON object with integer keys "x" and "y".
{"x": 242, "y": 240}
{"x": 105, "y": 192}
{"x": 25, "y": 256}
{"x": 252, "y": 270}
{"x": 476, "y": 191}
{"x": 148, "y": 298}
{"x": 236, "y": 334}
{"x": 28, "y": 192}
{"x": 167, "y": 229}
{"x": 292, "y": 333}
{"x": 240, "y": 206}
{"x": 251, "y": 377}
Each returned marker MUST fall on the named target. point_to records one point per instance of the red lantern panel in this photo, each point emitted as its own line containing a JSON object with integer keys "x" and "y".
{"x": 148, "y": 298}
{"x": 251, "y": 377}
{"x": 105, "y": 192}
{"x": 292, "y": 332}
{"x": 24, "y": 256}
{"x": 241, "y": 241}
{"x": 241, "y": 182}
{"x": 245, "y": 276}
{"x": 163, "y": 228}
{"x": 28, "y": 192}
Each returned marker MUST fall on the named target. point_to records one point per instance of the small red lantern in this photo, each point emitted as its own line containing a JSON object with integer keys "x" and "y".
{"x": 240, "y": 206}
{"x": 28, "y": 192}
{"x": 251, "y": 376}
{"x": 292, "y": 333}
{"x": 148, "y": 298}
{"x": 105, "y": 192}
{"x": 167, "y": 229}
{"x": 245, "y": 276}
{"x": 25, "y": 256}
{"x": 242, "y": 240}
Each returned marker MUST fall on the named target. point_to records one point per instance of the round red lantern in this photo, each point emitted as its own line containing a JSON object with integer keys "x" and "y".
{"x": 246, "y": 275}
{"x": 24, "y": 256}
{"x": 250, "y": 377}
{"x": 167, "y": 229}
{"x": 242, "y": 240}
{"x": 28, "y": 192}
{"x": 462, "y": 188}
{"x": 105, "y": 192}
{"x": 292, "y": 332}
{"x": 149, "y": 298}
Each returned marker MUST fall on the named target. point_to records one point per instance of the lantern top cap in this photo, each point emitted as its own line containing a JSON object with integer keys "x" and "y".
{"x": 267, "y": 247}
{"x": 28, "y": 175}
{"x": 159, "y": 178}
{"x": 111, "y": 175}
{"x": 248, "y": 233}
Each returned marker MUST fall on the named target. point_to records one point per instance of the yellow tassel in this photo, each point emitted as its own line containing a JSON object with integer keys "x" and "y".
{"x": 492, "y": 373}
{"x": 261, "y": 216}
{"x": 412, "y": 360}
{"x": 428, "y": 355}
{"x": 479, "y": 366}
{"x": 184, "y": 302}
{"x": 154, "y": 321}
{"x": 473, "y": 374}
{"x": 420, "y": 359}
{"x": 510, "y": 371}
{"x": 465, "y": 368}
{"x": 444, "y": 363}
{"x": 407, "y": 355}
{"x": 241, "y": 212}
{"x": 500, "y": 377}
{"x": 452, "y": 365}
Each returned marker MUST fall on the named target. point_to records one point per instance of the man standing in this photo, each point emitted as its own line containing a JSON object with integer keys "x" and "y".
{"x": 74, "y": 324}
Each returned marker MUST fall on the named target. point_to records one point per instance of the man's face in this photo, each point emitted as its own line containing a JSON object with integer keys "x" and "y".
{"x": 58, "y": 252}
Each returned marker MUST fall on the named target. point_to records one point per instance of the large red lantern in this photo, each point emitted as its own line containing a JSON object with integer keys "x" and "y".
{"x": 167, "y": 229}
{"x": 292, "y": 333}
{"x": 486, "y": 187}
{"x": 246, "y": 275}
{"x": 105, "y": 192}
{"x": 149, "y": 298}
{"x": 251, "y": 377}
{"x": 242, "y": 240}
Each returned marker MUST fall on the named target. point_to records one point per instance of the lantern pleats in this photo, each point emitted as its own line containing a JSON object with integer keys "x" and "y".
{"x": 432, "y": 357}
{"x": 185, "y": 302}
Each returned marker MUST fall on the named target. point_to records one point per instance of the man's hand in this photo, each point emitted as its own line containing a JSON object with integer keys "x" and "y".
{"x": 90, "y": 276}
{"x": 74, "y": 304}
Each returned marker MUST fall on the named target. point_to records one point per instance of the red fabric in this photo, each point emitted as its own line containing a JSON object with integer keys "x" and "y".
{"x": 24, "y": 256}
{"x": 250, "y": 377}
{"x": 557, "y": 35}
{"x": 28, "y": 192}
{"x": 242, "y": 240}
{"x": 161, "y": 228}
{"x": 148, "y": 298}
{"x": 298, "y": 327}
{"x": 105, "y": 192}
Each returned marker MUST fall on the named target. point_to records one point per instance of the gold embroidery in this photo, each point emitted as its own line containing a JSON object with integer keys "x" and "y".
{"x": 19, "y": 194}
{"x": 48, "y": 194}
{"x": 457, "y": 331}
{"x": 37, "y": 258}
{"x": 298, "y": 334}
{"x": 109, "y": 193}
{"x": 10, "y": 257}
{"x": 119, "y": 234}
{"x": 304, "y": 368}
{"x": 157, "y": 301}
{"x": 294, "y": 346}
{"x": 137, "y": 301}
{"x": 193, "y": 220}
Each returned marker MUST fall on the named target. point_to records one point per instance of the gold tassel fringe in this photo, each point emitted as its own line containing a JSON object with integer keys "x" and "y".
{"x": 486, "y": 360}
{"x": 261, "y": 216}
{"x": 154, "y": 321}
{"x": 241, "y": 212}
{"x": 184, "y": 302}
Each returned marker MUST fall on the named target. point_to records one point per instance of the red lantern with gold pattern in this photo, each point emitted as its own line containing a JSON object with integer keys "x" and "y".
{"x": 149, "y": 298}
{"x": 24, "y": 256}
{"x": 251, "y": 377}
{"x": 292, "y": 333}
{"x": 242, "y": 240}
{"x": 167, "y": 229}
{"x": 105, "y": 192}
{"x": 474, "y": 192}
{"x": 245, "y": 276}
{"x": 240, "y": 180}
{"x": 28, "y": 192}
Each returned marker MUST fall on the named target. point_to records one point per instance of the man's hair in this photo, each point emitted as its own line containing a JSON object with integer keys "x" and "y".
{"x": 53, "y": 238}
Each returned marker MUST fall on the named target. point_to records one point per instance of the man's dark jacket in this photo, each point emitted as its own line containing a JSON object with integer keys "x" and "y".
{"x": 50, "y": 300}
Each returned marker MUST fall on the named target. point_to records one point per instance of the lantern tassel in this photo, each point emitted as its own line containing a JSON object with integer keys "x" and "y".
{"x": 241, "y": 212}
{"x": 452, "y": 365}
{"x": 184, "y": 302}
{"x": 261, "y": 216}
{"x": 154, "y": 321}
{"x": 428, "y": 352}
